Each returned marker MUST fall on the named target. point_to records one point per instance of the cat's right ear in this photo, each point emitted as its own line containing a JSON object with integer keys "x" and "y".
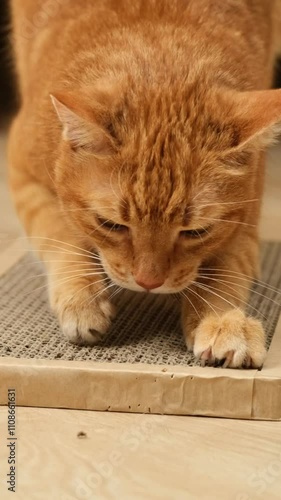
{"x": 80, "y": 128}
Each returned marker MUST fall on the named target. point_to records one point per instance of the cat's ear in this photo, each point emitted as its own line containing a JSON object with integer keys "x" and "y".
{"x": 79, "y": 126}
{"x": 258, "y": 117}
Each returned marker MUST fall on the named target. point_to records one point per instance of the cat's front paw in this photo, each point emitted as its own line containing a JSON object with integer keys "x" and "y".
{"x": 232, "y": 337}
{"x": 83, "y": 322}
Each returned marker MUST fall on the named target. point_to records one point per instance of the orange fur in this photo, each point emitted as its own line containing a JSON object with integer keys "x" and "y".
{"x": 157, "y": 121}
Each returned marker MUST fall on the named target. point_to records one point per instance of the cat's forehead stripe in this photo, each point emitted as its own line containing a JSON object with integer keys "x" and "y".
{"x": 153, "y": 210}
{"x": 125, "y": 210}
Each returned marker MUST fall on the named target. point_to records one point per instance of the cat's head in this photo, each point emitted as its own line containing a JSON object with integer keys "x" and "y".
{"x": 159, "y": 181}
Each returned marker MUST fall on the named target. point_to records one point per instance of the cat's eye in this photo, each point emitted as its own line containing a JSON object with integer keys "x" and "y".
{"x": 112, "y": 226}
{"x": 195, "y": 233}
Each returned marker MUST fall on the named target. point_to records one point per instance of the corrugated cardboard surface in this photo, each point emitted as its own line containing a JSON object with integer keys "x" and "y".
{"x": 144, "y": 388}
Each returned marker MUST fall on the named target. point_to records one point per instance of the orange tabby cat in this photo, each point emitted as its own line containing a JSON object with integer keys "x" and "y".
{"x": 137, "y": 156}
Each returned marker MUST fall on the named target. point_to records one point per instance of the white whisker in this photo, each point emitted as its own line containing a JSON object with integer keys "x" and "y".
{"x": 119, "y": 289}
{"x": 191, "y": 303}
{"x": 88, "y": 272}
{"x": 101, "y": 225}
{"x": 66, "y": 210}
{"x": 92, "y": 283}
{"x": 228, "y": 221}
{"x": 210, "y": 289}
{"x": 27, "y": 238}
{"x": 68, "y": 262}
{"x": 63, "y": 251}
{"x": 202, "y": 298}
{"x": 64, "y": 281}
{"x": 228, "y": 203}
{"x": 92, "y": 299}
{"x": 240, "y": 286}
{"x": 237, "y": 275}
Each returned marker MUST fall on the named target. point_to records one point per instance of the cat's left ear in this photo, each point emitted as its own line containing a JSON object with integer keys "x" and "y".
{"x": 258, "y": 117}
{"x": 80, "y": 128}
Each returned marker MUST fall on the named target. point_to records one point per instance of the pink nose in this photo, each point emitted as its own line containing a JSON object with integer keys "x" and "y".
{"x": 149, "y": 284}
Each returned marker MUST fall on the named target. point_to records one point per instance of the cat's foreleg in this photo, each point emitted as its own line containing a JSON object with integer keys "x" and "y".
{"x": 213, "y": 314}
{"x": 78, "y": 288}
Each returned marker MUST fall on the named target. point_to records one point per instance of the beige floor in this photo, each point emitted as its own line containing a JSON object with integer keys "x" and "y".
{"x": 124, "y": 456}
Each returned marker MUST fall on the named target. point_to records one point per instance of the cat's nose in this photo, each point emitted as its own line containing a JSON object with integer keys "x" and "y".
{"x": 149, "y": 284}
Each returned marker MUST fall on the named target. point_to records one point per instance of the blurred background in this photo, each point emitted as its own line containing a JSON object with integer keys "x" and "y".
{"x": 7, "y": 79}
{"x": 9, "y": 226}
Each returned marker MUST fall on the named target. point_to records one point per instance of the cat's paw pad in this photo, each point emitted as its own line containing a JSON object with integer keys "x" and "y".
{"x": 85, "y": 324}
{"x": 232, "y": 338}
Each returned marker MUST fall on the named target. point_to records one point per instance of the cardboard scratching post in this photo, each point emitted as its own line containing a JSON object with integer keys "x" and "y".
{"x": 143, "y": 365}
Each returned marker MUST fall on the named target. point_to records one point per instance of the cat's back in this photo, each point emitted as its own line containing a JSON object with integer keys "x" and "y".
{"x": 58, "y": 30}
{"x": 63, "y": 40}
{"x": 52, "y": 38}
